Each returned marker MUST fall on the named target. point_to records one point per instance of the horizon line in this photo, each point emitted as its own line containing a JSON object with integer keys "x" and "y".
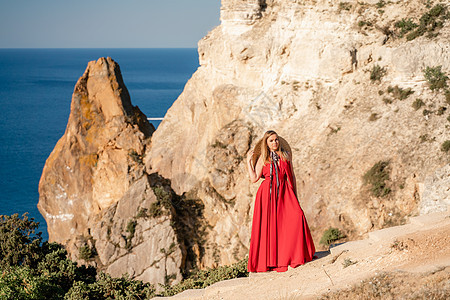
{"x": 12, "y": 48}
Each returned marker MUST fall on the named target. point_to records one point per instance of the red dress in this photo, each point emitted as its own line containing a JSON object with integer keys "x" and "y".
{"x": 280, "y": 233}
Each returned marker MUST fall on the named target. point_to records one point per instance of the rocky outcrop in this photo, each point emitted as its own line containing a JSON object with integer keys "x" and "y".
{"x": 94, "y": 163}
{"x": 95, "y": 193}
{"x": 308, "y": 69}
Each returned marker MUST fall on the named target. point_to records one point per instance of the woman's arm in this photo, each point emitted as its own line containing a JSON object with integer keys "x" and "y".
{"x": 255, "y": 173}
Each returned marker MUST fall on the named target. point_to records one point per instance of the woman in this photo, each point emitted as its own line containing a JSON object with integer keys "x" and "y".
{"x": 280, "y": 234}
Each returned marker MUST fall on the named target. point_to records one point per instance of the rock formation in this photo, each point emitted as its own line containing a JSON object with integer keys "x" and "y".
{"x": 342, "y": 82}
{"x": 94, "y": 192}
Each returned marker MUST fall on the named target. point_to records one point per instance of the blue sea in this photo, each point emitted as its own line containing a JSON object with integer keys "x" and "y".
{"x": 36, "y": 87}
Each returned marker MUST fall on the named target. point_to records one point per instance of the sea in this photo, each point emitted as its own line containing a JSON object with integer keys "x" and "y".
{"x": 36, "y": 87}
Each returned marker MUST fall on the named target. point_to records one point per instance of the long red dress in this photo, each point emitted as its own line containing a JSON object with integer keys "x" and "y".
{"x": 280, "y": 234}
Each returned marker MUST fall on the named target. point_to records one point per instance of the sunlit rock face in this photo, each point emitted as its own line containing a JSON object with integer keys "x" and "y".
{"x": 303, "y": 68}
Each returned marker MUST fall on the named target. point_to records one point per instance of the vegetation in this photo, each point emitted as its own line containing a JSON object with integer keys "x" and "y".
{"x": 377, "y": 73}
{"x": 344, "y": 6}
{"x": 131, "y": 229}
{"x": 381, "y": 4}
{"x": 430, "y": 22}
{"x": 31, "y": 269}
{"x": 364, "y": 23}
{"x": 417, "y": 104}
{"x": 348, "y": 262}
{"x": 397, "y": 285}
{"x": 331, "y": 235}
{"x": 405, "y": 26}
{"x": 203, "y": 278}
{"x": 163, "y": 203}
{"x": 136, "y": 157}
{"x": 435, "y": 77}
{"x": 377, "y": 177}
{"x": 445, "y": 146}
{"x": 373, "y": 117}
{"x": 106, "y": 287}
{"x": 426, "y": 112}
{"x": 87, "y": 253}
{"x": 400, "y": 93}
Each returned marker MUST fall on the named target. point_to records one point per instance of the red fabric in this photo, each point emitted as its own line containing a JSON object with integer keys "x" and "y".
{"x": 280, "y": 233}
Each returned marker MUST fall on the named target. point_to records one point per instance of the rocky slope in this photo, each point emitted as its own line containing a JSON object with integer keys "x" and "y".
{"x": 339, "y": 81}
{"x": 402, "y": 262}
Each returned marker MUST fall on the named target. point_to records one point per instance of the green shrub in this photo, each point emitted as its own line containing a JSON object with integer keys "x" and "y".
{"x": 445, "y": 146}
{"x": 136, "y": 157}
{"x": 377, "y": 177}
{"x": 426, "y": 112}
{"x": 381, "y": 4}
{"x": 19, "y": 242}
{"x": 348, "y": 262}
{"x": 106, "y": 287}
{"x": 21, "y": 282}
{"x": 204, "y": 278}
{"x": 430, "y": 22}
{"x": 364, "y": 23}
{"x": 400, "y": 93}
{"x": 163, "y": 203}
{"x": 331, "y": 235}
{"x": 86, "y": 253}
{"x": 377, "y": 73}
{"x": 435, "y": 77}
{"x": 417, "y": 104}
{"x": 405, "y": 26}
{"x": 31, "y": 270}
{"x": 344, "y": 6}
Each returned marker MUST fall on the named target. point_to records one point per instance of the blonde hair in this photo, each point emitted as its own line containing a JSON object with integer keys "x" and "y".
{"x": 265, "y": 148}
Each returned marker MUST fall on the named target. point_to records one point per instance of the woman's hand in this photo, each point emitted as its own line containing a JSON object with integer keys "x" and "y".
{"x": 249, "y": 156}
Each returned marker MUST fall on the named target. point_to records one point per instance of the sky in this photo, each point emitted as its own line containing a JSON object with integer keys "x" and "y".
{"x": 106, "y": 23}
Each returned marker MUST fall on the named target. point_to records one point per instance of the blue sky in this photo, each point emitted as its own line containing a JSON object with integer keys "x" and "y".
{"x": 106, "y": 23}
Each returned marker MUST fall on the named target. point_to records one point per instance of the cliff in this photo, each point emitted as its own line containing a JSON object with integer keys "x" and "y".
{"x": 338, "y": 81}
{"x": 344, "y": 83}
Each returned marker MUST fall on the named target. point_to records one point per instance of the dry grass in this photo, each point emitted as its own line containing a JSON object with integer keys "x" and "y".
{"x": 399, "y": 285}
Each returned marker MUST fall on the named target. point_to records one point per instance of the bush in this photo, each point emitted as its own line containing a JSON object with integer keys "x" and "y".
{"x": 377, "y": 73}
{"x": 445, "y": 146}
{"x": 400, "y": 93}
{"x": 31, "y": 270}
{"x": 344, "y": 6}
{"x": 348, "y": 262}
{"x": 331, "y": 235}
{"x": 163, "y": 203}
{"x": 435, "y": 77}
{"x": 418, "y": 104}
{"x": 405, "y": 26}
{"x": 430, "y": 22}
{"x": 107, "y": 287}
{"x": 377, "y": 177}
{"x": 19, "y": 242}
{"x": 86, "y": 253}
{"x": 204, "y": 278}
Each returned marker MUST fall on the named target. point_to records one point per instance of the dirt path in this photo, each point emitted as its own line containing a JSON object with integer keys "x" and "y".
{"x": 419, "y": 247}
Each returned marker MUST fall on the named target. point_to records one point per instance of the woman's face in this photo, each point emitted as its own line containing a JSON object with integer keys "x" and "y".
{"x": 272, "y": 142}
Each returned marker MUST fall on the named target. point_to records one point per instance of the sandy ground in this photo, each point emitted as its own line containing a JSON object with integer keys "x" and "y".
{"x": 420, "y": 247}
